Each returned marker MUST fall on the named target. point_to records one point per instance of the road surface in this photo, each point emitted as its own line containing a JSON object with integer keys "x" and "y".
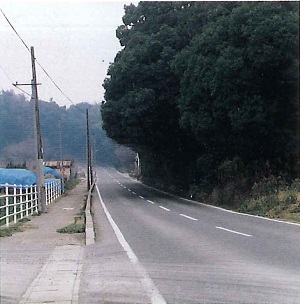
{"x": 184, "y": 252}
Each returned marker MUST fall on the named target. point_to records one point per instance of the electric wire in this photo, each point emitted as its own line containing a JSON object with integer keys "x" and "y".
{"x": 39, "y": 64}
{"x": 7, "y": 76}
{"x": 15, "y": 30}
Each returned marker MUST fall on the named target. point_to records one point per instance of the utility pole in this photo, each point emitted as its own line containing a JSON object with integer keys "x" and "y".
{"x": 39, "y": 155}
{"x": 40, "y": 166}
{"x": 60, "y": 147}
{"x": 91, "y": 161}
{"x": 88, "y": 153}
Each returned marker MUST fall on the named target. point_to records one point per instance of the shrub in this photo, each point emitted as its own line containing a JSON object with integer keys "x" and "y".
{"x": 72, "y": 228}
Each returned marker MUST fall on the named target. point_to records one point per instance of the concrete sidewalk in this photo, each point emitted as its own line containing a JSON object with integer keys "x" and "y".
{"x": 40, "y": 265}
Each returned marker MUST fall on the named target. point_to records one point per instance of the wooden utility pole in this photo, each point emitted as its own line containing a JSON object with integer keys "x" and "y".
{"x": 40, "y": 166}
{"x": 60, "y": 147}
{"x": 91, "y": 162}
{"x": 88, "y": 153}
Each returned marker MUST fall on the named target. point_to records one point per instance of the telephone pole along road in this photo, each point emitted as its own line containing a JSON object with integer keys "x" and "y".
{"x": 183, "y": 252}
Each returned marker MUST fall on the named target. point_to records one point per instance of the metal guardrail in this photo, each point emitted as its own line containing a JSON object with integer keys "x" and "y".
{"x": 19, "y": 201}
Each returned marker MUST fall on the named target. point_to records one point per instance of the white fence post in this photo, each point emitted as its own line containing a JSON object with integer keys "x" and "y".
{"x": 26, "y": 201}
{"x": 15, "y": 203}
{"x": 52, "y": 191}
{"x": 30, "y": 203}
{"x": 35, "y": 202}
{"x": 21, "y": 202}
{"x": 47, "y": 193}
{"x": 6, "y": 205}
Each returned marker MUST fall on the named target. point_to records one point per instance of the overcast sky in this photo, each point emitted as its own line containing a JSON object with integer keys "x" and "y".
{"x": 73, "y": 40}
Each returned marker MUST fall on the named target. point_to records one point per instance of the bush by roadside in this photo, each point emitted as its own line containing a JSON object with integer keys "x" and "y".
{"x": 71, "y": 183}
{"x": 274, "y": 198}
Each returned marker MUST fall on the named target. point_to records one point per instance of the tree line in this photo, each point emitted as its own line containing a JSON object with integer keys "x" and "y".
{"x": 63, "y": 132}
{"x": 207, "y": 92}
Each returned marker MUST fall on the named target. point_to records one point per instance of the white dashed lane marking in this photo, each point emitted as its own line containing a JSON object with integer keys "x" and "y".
{"x": 164, "y": 208}
{"x": 233, "y": 231}
{"x": 188, "y": 217}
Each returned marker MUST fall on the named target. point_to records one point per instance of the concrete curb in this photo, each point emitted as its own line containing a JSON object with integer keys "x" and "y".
{"x": 89, "y": 225}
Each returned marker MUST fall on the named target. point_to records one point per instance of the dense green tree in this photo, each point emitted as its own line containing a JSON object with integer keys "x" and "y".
{"x": 202, "y": 86}
{"x": 140, "y": 107}
{"x": 239, "y": 84}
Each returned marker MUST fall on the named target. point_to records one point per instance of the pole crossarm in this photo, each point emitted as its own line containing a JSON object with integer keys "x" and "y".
{"x": 24, "y": 84}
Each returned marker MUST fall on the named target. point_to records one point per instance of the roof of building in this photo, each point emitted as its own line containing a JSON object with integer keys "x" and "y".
{"x": 58, "y": 163}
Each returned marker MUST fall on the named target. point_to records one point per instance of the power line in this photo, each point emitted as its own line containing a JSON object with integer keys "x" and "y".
{"x": 7, "y": 76}
{"x": 43, "y": 69}
{"x": 15, "y": 31}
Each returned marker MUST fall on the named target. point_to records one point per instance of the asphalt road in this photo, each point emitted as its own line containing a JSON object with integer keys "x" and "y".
{"x": 184, "y": 252}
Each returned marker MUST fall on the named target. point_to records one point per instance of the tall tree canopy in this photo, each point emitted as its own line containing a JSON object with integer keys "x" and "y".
{"x": 201, "y": 83}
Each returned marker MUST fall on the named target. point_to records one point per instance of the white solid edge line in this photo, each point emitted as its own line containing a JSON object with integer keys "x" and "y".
{"x": 232, "y": 231}
{"x": 188, "y": 217}
{"x": 215, "y": 207}
{"x": 146, "y": 281}
{"x": 164, "y": 208}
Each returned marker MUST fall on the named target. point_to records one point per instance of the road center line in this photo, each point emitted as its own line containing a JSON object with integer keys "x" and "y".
{"x": 232, "y": 231}
{"x": 146, "y": 281}
{"x": 141, "y": 197}
{"x": 150, "y": 202}
{"x": 164, "y": 208}
{"x": 133, "y": 192}
{"x": 188, "y": 217}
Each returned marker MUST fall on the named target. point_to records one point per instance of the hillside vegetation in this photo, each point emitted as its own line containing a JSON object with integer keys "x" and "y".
{"x": 207, "y": 94}
{"x": 63, "y": 132}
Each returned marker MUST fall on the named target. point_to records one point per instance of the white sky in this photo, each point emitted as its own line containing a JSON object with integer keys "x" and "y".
{"x": 73, "y": 40}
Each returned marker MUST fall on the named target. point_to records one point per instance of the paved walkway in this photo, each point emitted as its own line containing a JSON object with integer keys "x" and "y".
{"x": 40, "y": 265}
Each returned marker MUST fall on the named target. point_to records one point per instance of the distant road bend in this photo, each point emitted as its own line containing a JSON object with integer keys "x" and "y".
{"x": 185, "y": 252}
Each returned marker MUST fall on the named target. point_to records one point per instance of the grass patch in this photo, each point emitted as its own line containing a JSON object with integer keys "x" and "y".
{"x": 77, "y": 227}
{"x": 24, "y": 220}
{"x": 72, "y": 228}
{"x": 18, "y": 227}
{"x": 9, "y": 231}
